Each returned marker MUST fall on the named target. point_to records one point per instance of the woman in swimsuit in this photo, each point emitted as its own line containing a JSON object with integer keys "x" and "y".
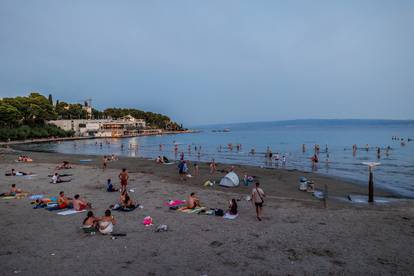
{"x": 90, "y": 221}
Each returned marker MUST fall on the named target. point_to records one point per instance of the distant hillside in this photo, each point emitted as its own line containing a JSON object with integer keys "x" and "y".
{"x": 316, "y": 123}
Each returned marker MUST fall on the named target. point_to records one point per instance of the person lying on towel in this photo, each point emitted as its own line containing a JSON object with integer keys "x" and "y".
{"x": 17, "y": 173}
{"x": 80, "y": 204}
{"x": 193, "y": 202}
{"x": 42, "y": 202}
{"x": 13, "y": 191}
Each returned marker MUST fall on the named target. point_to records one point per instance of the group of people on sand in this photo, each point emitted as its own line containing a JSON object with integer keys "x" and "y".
{"x": 108, "y": 158}
{"x": 104, "y": 224}
{"x": 24, "y": 158}
{"x": 257, "y": 199}
{"x": 162, "y": 160}
{"x": 64, "y": 166}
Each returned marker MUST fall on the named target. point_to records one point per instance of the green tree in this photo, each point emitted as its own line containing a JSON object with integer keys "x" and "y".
{"x": 9, "y": 115}
{"x": 50, "y": 99}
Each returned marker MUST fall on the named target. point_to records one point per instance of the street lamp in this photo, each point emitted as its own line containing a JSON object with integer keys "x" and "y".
{"x": 371, "y": 165}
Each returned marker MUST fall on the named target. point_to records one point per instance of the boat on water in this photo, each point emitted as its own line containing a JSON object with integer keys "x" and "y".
{"x": 221, "y": 130}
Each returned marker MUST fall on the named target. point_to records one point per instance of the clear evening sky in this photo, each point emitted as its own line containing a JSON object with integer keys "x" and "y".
{"x": 209, "y": 61}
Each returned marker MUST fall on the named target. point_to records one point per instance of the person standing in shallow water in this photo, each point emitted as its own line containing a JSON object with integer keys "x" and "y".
{"x": 257, "y": 200}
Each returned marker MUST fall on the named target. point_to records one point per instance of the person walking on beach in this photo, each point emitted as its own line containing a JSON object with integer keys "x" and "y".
{"x": 123, "y": 177}
{"x": 104, "y": 162}
{"x": 213, "y": 166}
{"x": 196, "y": 169}
{"x": 257, "y": 200}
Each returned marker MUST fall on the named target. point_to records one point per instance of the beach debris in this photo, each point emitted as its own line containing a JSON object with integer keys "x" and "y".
{"x": 208, "y": 183}
{"x": 248, "y": 198}
{"x": 161, "y": 228}
{"x": 148, "y": 221}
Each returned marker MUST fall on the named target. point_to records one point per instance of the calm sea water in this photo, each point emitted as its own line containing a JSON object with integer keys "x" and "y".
{"x": 395, "y": 173}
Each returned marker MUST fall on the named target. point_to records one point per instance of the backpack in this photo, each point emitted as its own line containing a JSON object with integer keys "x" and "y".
{"x": 219, "y": 212}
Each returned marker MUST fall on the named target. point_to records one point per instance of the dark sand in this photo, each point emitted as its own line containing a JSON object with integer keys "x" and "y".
{"x": 297, "y": 235}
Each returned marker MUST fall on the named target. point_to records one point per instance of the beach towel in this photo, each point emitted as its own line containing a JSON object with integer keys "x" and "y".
{"x": 169, "y": 163}
{"x": 34, "y": 197}
{"x": 192, "y": 211}
{"x": 70, "y": 212}
{"x": 85, "y": 160}
{"x": 8, "y": 197}
{"x": 173, "y": 203}
{"x": 229, "y": 216}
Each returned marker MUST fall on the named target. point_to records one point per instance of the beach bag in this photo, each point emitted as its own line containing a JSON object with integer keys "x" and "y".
{"x": 219, "y": 212}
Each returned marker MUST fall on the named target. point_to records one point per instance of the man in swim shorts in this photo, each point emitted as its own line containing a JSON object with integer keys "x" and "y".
{"x": 123, "y": 177}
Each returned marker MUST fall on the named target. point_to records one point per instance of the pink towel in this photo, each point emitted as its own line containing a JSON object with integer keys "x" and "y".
{"x": 173, "y": 203}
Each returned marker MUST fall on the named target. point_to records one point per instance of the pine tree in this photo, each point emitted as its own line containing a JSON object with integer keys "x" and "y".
{"x": 50, "y": 99}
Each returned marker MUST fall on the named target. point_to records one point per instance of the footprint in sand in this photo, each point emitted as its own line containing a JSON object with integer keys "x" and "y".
{"x": 216, "y": 244}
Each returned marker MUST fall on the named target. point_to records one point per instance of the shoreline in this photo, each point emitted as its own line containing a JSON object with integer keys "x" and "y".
{"x": 337, "y": 186}
{"x": 48, "y": 140}
{"x": 358, "y": 183}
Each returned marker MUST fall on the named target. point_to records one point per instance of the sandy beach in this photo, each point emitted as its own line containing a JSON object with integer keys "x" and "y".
{"x": 297, "y": 236}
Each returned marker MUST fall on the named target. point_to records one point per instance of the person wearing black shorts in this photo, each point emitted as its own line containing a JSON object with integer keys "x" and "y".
{"x": 257, "y": 199}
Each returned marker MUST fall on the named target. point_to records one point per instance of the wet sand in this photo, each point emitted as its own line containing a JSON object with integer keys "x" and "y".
{"x": 297, "y": 235}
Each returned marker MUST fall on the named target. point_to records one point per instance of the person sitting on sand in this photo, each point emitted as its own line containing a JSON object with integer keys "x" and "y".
{"x": 110, "y": 187}
{"x": 106, "y": 223}
{"x": 13, "y": 191}
{"x": 159, "y": 160}
{"x": 90, "y": 222}
{"x": 56, "y": 178}
{"x": 64, "y": 165}
{"x": 63, "y": 201}
{"x": 193, "y": 202}
{"x": 80, "y": 204}
{"x": 126, "y": 201}
{"x": 232, "y": 207}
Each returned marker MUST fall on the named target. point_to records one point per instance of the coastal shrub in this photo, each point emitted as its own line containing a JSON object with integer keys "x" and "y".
{"x": 28, "y": 132}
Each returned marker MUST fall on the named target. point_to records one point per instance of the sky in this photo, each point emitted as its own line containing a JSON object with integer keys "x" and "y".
{"x": 206, "y": 62}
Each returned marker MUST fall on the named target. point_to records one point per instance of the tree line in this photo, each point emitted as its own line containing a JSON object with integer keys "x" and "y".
{"x": 26, "y": 117}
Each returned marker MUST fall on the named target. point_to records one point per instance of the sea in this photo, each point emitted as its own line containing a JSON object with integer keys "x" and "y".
{"x": 233, "y": 144}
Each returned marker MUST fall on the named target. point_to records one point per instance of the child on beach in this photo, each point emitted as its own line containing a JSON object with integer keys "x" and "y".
{"x": 110, "y": 187}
